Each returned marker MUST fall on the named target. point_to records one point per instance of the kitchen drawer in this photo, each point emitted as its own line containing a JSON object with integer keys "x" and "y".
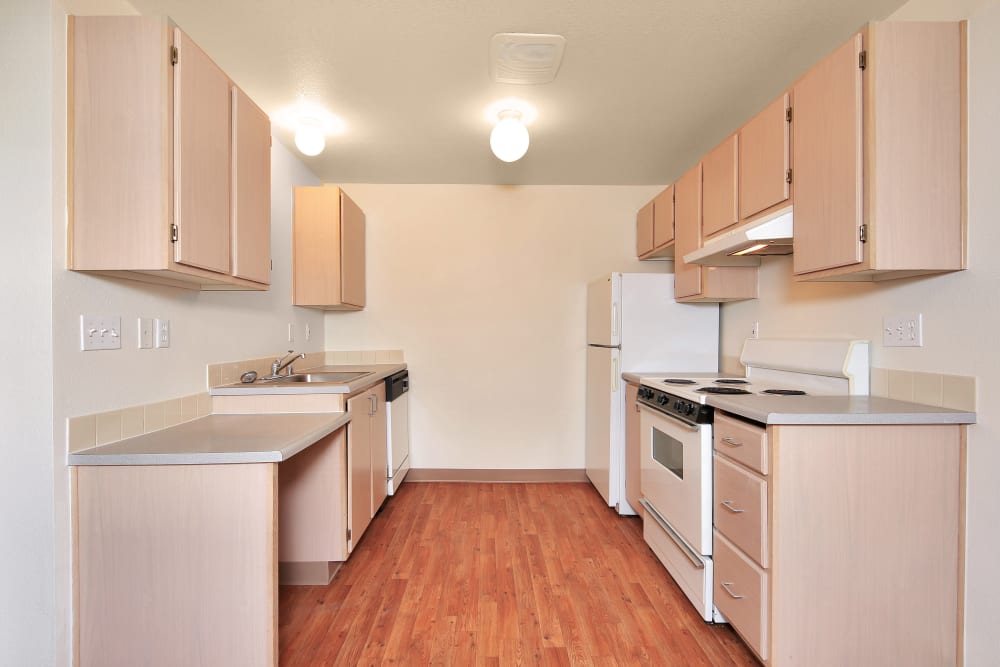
{"x": 741, "y": 594}
{"x": 740, "y": 508}
{"x": 741, "y": 441}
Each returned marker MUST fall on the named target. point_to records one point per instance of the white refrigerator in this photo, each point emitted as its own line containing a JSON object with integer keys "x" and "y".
{"x": 634, "y": 324}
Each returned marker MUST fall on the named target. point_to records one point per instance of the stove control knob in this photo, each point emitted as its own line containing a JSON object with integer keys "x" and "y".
{"x": 690, "y": 408}
{"x": 662, "y": 399}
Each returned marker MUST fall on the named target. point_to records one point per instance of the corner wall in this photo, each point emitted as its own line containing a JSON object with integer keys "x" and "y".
{"x": 484, "y": 289}
{"x": 961, "y": 317}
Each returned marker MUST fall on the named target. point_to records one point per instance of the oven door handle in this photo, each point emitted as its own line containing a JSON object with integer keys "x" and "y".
{"x": 674, "y": 420}
{"x": 692, "y": 556}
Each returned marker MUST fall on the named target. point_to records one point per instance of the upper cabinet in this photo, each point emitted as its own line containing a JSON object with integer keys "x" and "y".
{"x": 764, "y": 157}
{"x": 654, "y": 227}
{"x": 719, "y": 201}
{"x": 328, "y": 249}
{"x": 693, "y": 282}
{"x": 169, "y": 167}
{"x": 878, "y": 145}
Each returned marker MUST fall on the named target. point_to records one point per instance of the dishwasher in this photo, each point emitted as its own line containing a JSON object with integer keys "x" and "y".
{"x": 397, "y": 387}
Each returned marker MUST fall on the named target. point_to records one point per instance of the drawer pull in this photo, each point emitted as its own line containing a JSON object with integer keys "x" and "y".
{"x": 728, "y": 504}
{"x": 732, "y": 443}
{"x": 726, "y": 585}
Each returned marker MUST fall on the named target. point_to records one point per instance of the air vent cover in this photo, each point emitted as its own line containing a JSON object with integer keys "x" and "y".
{"x": 525, "y": 58}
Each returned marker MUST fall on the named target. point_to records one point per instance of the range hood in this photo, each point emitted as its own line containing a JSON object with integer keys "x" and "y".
{"x": 743, "y": 245}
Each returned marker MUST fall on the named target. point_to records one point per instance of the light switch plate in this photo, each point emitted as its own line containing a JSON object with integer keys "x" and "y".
{"x": 100, "y": 332}
{"x": 903, "y": 330}
{"x": 162, "y": 333}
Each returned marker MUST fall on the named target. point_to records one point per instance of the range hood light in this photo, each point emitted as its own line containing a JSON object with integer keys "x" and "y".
{"x": 747, "y": 251}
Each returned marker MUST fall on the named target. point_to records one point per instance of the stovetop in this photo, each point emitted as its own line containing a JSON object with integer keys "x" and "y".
{"x": 697, "y": 389}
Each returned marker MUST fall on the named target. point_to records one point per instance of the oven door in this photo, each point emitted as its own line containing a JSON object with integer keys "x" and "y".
{"x": 677, "y": 475}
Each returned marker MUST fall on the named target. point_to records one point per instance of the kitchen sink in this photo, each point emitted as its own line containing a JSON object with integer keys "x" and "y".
{"x": 343, "y": 376}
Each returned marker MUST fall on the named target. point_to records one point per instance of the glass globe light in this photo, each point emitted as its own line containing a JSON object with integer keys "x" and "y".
{"x": 509, "y": 138}
{"x": 309, "y": 137}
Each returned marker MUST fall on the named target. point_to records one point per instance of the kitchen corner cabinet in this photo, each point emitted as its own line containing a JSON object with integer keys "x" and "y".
{"x": 840, "y": 544}
{"x": 366, "y": 459}
{"x": 878, "y": 152}
{"x": 169, "y": 166}
{"x": 693, "y": 282}
{"x": 328, "y": 249}
{"x": 633, "y": 444}
{"x": 654, "y": 227}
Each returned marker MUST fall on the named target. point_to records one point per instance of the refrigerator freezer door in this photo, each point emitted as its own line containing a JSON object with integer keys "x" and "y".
{"x": 604, "y": 415}
{"x": 603, "y": 312}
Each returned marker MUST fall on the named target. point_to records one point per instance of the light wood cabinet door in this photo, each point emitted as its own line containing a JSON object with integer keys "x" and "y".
{"x": 663, "y": 217}
{"x": 380, "y": 449}
{"x": 827, "y": 154}
{"x": 644, "y": 230}
{"x": 251, "y": 227}
{"x": 687, "y": 217}
{"x": 764, "y": 156}
{"x": 201, "y": 158}
{"x": 352, "y": 249}
{"x": 633, "y": 461}
{"x": 719, "y": 195}
{"x": 359, "y": 461}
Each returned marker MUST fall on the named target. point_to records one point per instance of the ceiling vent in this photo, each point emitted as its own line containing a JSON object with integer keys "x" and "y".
{"x": 525, "y": 58}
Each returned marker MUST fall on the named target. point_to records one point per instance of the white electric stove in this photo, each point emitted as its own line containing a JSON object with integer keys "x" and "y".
{"x": 676, "y": 424}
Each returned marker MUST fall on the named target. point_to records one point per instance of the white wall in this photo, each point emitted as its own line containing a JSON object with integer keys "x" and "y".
{"x": 27, "y": 603}
{"x": 961, "y": 320}
{"x": 484, "y": 288}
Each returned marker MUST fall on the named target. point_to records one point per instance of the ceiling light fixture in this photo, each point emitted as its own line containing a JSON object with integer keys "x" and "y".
{"x": 509, "y": 138}
{"x": 309, "y": 136}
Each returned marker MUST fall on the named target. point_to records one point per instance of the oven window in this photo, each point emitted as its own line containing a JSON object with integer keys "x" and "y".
{"x": 668, "y": 452}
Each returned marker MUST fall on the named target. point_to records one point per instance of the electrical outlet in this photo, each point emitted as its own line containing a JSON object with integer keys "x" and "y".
{"x": 162, "y": 332}
{"x": 145, "y": 333}
{"x": 100, "y": 332}
{"x": 291, "y": 332}
{"x": 903, "y": 331}
{"x": 308, "y": 331}
{"x": 755, "y": 331}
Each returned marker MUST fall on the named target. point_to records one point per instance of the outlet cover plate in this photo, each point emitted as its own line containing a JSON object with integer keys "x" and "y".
{"x": 903, "y": 330}
{"x": 162, "y": 333}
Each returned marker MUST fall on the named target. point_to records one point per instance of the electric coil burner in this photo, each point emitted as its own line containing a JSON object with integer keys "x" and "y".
{"x": 677, "y": 381}
{"x": 722, "y": 390}
{"x": 784, "y": 392}
{"x": 731, "y": 381}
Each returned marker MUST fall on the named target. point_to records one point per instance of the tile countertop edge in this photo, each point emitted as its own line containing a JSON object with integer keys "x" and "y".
{"x": 287, "y": 445}
{"x": 379, "y": 373}
{"x": 819, "y": 410}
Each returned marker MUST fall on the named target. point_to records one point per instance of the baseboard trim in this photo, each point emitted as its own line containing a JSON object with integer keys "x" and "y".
{"x": 307, "y": 573}
{"x": 492, "y": 475}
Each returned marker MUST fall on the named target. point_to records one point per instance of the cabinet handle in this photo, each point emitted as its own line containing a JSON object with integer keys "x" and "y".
{"x": 732, "y": 443}
{"x": 728, "y": 504}
{"x": 726, "y": 585}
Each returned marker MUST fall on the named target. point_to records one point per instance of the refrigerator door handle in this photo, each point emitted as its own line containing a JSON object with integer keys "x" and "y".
{"x": 614, "y": 373}
{"x": 614, "y": 320}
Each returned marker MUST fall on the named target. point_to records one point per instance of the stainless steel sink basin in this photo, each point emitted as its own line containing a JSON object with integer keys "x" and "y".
{"x": 331, "y": 377}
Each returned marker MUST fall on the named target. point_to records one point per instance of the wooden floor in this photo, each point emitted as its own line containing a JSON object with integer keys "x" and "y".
{"x": 500, "y": 574}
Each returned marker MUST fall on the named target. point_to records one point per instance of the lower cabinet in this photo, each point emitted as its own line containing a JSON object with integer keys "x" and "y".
{"x": 366, "y": 459}
{"x": 839, "y": 544}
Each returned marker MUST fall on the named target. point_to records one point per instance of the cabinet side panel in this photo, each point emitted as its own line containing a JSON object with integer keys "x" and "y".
{"x": 352, "y": 249}
{"x": 644, "y": 230}
{"x": 120, "y": 163}
{"x": 380, "y": 450}
{"x": 687, "y": 215}
{"x": 177, "y": 565}
{"x": 316, "y": 246}
{"x": 719, "y": 196}
{"x": 764, "y": 159}
{"x": 313, "y": 502}
{"x": 202, "y": 138}
{"x": 865, "y": 545}
{"x": 359, "y": 463}
{"x": 251, "y": 209}
{"x": 827, "y": 154}
{"x": 917, "y": 144}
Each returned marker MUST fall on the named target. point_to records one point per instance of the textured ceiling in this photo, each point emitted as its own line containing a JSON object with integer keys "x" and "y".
{"x": 645, "y": 88}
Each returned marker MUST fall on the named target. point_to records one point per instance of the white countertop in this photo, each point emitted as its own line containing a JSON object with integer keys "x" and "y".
{"x": 836, "y": 410}
{"x": 258, "y": 438}
{"x": 378, "y": 372}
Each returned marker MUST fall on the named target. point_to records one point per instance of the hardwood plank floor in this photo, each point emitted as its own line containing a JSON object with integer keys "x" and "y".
{"x": 500, "y": 574}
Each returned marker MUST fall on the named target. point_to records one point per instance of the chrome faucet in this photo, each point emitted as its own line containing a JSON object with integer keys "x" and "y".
{"x": 280, "y": 364}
